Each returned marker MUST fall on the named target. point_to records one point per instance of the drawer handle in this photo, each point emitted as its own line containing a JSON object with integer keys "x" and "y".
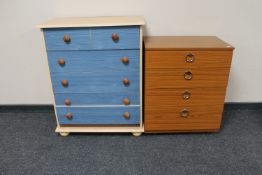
{"x": 126, "y": 101}
{"x": 184, "y": 113}
{"x": 67, "y": 39}
{"x": 64, "y": 83}
{"x": 69, "y": 116}
{"x": 126, "y": 82}
{"x": 61, "y": 62}
{"x": 190, "y": 58}
{"x": 186, "y": 95}
{"x": 125, "y": 60}
{"x": 67, "y": 102}
{"x": 115, "y": 37}
{"x": 188, "y": 75}
{"x": 126, "y": 115}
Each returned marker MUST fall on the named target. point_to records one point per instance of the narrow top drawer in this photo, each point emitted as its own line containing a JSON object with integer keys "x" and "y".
{"x": 95, "y": 38}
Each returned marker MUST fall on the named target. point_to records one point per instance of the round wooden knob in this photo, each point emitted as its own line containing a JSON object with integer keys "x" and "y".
{"x": 64, "y": 83}
{"x": 67, "y": 39}
{"x": 67, "y": 102}
{"x": 126, "y": 81}
{"x": 69, "y": 116}
{"x": 184, "y": 113}
{"x": 126, "y": 101}
{"x": 61, "y": 62}
{"x": 188, "y": 75}
{"x": 190, "y": 58}
{"x": 125, "y": 60}
{"x": 115, "y": 37}
{"x": 126, "y": 115}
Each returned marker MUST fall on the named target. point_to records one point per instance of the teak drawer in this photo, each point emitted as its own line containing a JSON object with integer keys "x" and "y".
{"x": 92, "y": 61}
{"x": 93, "y": 38}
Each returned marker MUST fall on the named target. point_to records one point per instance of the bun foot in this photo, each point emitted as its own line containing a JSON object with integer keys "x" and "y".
{"x": 64, "y": 134}
{"x": 137, "y": 134}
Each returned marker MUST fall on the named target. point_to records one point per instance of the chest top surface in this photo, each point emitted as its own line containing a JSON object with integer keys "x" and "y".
{"x": 185, "y": 43}
{"x": 93, "y": 22}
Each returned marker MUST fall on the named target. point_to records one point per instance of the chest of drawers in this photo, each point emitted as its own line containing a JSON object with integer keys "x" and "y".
{"x": 185, "y": 83}
{"x": 95, "y": 68}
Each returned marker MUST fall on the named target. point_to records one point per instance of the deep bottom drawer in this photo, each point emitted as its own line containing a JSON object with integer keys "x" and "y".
{"x": 98, "y": 115}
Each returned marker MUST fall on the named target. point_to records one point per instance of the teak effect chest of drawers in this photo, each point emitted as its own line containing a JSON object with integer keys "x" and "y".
{"x": 185, "y": 83}
{"x": 95, "y": 66}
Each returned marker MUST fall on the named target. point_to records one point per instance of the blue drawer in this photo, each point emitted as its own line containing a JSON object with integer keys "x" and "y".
{"x": 97, "y": 38}
{"x": 102, "y": 81}
{"x": 113, "y": 98}
{"x": 98, "y": 115}
{"x": 89, "y": 61}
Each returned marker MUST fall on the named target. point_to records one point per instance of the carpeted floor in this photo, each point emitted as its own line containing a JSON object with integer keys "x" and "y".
{"x": 29, "y": 145}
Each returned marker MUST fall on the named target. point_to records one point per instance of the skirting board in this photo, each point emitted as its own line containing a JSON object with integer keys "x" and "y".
{"x": 49, "y": 108}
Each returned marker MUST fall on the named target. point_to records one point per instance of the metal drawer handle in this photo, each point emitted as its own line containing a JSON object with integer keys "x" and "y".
{"x": 190, "y": 58}
{"x": 186, "y": 95}
{"x": 188, "y": 75}
{"x": 184, "y": 113}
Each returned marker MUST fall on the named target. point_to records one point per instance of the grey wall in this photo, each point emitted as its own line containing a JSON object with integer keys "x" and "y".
{"x": 23, "y": 66}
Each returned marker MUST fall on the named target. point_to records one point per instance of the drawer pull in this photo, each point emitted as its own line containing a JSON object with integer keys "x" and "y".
{"x": 69, "y": 116}
{"x": 188, "y": 75}
{"x": 67, "y": 102}
{"x": 126, "y": 115}
{"x": 184, "y": 113}
{"x": 186, "y": 95}
{"x": 64, "y": 83}
{"x": 125, "y": 60}
{"x": 115, "y": 37}
{"x": 126, "y": 101}
{"x": 67, "y": 39}
{"x": 61, "y": 62}
{"x": 190, "y": 58}
{"x": 126, "y": 82}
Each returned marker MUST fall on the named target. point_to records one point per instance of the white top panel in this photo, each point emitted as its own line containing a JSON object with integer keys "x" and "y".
{"x": 93, "y": 22}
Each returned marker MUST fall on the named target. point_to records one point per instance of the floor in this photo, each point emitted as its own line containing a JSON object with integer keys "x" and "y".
{"x": 29, "y": 145}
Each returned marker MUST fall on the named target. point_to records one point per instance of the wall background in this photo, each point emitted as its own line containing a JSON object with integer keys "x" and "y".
{"x": 23, "y": 66}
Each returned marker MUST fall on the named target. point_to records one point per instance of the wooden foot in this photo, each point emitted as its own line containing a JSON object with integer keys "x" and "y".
{"x": 64, "y": 134}
{"x": 137, "y": 134}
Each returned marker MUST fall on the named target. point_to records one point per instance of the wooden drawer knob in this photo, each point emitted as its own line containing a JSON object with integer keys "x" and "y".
{"x": 61, "y": 62}
{"x": 126, "y": 101}
{"x": 186, "y": 95}
{"x": 126, "y": 81}
{"x": 190, "y": 58}
{"x": 184, "y": 113}
{"x": 67, "y": 102}
{"x": 69, "y": 116}
{"x": 125, "y": 60}
{"x": 115, "y": 37}
{"x": 188, "y": 75}
{"x": 64, "y": 83}
{"x": 67, "y": 39}
{"x": 126, "y": 115}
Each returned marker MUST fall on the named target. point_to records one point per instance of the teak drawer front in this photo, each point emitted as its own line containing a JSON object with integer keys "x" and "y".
{"x": 183, "y": 97}
{"x": 98, "y": 115}
{"x": 113, "y": 98}
{"x": 175, "y": 78}
{"x": 169, "y": 118}
{"x": 94, "y": 38}
{"x": 92, "y": 61}
{"x": 106, "y": 82}
{"x": 181, "y": 59}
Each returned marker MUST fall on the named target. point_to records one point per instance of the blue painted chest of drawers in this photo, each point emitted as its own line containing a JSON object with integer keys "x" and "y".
{"x": 95, "y": 68}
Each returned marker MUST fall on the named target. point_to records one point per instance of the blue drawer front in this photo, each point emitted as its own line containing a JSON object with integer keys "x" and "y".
{"x": 114, "y": 98}
{"x": 96, "y": 82}
{"x": 129, "y": 38}
{"x": 98, "y": 115}
{"x": 80, "y": 38}
{"x": 97, "y": 38}
{"x": 90, "y": 61}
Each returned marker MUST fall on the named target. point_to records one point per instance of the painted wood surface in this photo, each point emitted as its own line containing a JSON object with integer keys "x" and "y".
{"x": 99, "y": 38}
{"x": 98, "y": 115}
{"x": 113, "y": 98}
{"x": 94, "y": 61}
{"x": 92, "y": 82}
